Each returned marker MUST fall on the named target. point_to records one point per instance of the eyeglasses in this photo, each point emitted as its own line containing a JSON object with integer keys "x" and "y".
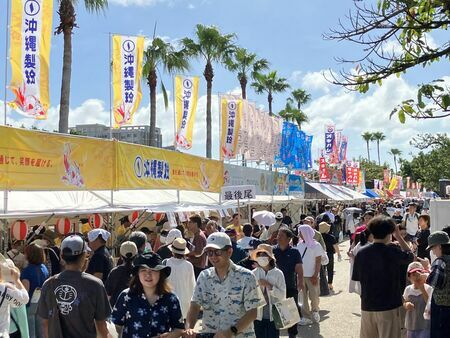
{"x": 217, "y": 253}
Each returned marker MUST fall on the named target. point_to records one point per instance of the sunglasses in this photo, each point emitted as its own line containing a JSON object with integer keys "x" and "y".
{"x": 217, "y": 253}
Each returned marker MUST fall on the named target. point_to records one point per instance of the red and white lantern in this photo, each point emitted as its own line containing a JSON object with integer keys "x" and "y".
{"x": 63, "y": 226}
{"x": 159, "y": 217}
{"x": 134, "y": 216}
{"x": 96, "y": 221}
{"x": 19, "y": 230}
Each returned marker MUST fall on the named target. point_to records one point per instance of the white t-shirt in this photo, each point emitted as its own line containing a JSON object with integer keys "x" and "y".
{"x": 412, "y": 223}
{"x": 14, "y": 298}
{"x": 182, "y": 279}
{"x": 309, "y": 259}
{"x": 244, "y": 242}
{"x": 410, "y": 291}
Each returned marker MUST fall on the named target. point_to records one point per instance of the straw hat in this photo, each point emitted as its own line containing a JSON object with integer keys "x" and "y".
{"x": 324, "y": 227}
{"x": 266, "y": 248}
{"x": 178, "y": 247}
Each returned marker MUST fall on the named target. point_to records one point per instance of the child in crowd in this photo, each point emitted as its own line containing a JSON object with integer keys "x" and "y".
{"x": 415, "y": 299}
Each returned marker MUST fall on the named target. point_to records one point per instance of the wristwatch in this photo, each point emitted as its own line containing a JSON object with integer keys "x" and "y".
{"x": 234, "y": 330}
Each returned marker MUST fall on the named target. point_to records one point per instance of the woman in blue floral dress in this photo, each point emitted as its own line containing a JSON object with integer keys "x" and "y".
{"x": 148, "y": 308}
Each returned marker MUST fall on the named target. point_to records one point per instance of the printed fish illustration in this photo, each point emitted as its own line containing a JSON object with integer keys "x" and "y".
{"x": 72, "y": 169}
{"x": 29, "y": 104}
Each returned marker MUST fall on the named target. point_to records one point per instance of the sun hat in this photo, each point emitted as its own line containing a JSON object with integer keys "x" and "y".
{"x": 438, "y": 237}
{"x": 93, "y": 234}
{"x": 73, "y": 245}
{"x": 150, "y": 261}
{"x": 309, "y": 219}
{"x": 279, "y": 215}
{"x": 128, "y": 249}
{"x": 172, "y": 235}
{"x": 266, "y": 248}
{"x": 178, "y": 246}
{"x": 214, "y": 214}
{"x": 324, "y": 227}
{"x": 218, "y": 241}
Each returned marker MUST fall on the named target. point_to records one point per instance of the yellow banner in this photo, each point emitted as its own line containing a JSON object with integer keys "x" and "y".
{"x": 31, "y": 160}
{"x": 393, "y": 184}
{"x": 30, "y": 36}
{"x": 186, "y": 96}
{"x": 231, "y": 121}
{"x": 127, "y": 59}
{"x": 140, "y": 167}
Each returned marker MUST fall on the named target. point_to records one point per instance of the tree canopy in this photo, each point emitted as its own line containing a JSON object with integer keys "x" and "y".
{"x": 396, "y": 36}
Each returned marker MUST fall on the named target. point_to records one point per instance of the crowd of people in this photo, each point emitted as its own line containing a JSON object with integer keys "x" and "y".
{"x": 234, "y": 277}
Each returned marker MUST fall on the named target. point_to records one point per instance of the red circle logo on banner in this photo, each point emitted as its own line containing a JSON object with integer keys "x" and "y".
{"x": 134, "y": 216}
{"x": 19, "y": 230}
{"x": 63, "y": 226}
{"x": 159, "y": 217}
{"x": 96, "y": 221}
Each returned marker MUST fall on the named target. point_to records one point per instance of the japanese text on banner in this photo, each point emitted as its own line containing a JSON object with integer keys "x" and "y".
{"x": 239, "y": 192}
{"x": 323, "y": 172}
{"x": 127, "y": 55}
{"x": 186, "y": 96}
{"x": 231, "y": 120}
{"x": 329, "y": 139}
{"x": 31, "y": 30}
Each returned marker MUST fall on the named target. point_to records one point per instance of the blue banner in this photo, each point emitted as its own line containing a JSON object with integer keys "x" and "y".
{"x": 295, "y": 149}
{"x": 296, "y": 186}
{"x": 329, "y": 139}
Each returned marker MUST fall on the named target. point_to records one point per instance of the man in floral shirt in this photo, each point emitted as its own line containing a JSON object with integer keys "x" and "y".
{"x": 228, "y": 294}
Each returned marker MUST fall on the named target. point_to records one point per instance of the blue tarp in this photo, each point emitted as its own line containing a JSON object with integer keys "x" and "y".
{"x": 372, "y": 194}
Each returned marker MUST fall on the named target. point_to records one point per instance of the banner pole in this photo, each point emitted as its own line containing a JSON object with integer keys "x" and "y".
{"x": 6, "y": 60}
{"x": 110, "y": 86}
{"x": 174, "y": 114}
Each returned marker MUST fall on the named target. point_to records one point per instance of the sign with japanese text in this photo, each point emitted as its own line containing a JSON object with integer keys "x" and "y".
{"x": 352, "y": 173}
{"x": 141, "y": 167}
{"x": 238, "y": 192}
{"x": 296, "y": 186}
{"x": 231, "y": 120}
{"x": 127, "y": 58}
{"x": 323, "y": 172}
{"x": 30, "y": 36}
{"x": 31, "y": 160}
{"x": 263, "y": 180}
{"x": 186, "y": 96}
{"x": 329, "y": 139}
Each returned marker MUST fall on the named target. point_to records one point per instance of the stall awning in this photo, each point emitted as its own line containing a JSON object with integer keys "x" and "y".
{"x": 335, "y": 192}
{"x": 370, "y": 193}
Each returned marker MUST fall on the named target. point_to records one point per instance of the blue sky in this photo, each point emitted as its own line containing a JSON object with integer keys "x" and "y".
{"x": 288, "y": 33}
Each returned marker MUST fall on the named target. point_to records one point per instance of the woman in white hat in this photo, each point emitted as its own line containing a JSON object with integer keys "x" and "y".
{"x": 182, "y": 277}
{"x": 273, "y": 287}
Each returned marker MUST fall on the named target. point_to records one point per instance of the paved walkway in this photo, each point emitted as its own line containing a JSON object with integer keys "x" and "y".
{"x": 340, "y": 312}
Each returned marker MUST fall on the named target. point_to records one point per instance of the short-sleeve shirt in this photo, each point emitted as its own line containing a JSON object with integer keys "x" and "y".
{"x": 199, "y": 242}
{"x": 118, "y": 280}
{"x": 380, "y": 269}
{"x": 286, "y": 262}
{"x": 141, "y": 319}
{"x": 81, "y": 299}
{"x": 330, "y": 241}
{"x": 309, "y": 256}
{"x": 414, "y": 319}
{"x": 100, "y": 262}
{"x": 36, "y": 274}
{"x": 225, "y": 302}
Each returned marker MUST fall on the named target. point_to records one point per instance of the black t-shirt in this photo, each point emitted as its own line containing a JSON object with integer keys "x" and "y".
{"x": 397, "y": 218}
{"x": 164, "y": 252}
{"x": 118, "y": 280}
{"x": 379, "y": 268}
{"x": 287, "y": 220}
{"x": 101, "y": 261}
{"x": 329, "y": 240}
{"x": 81, "y": 299}
{"x": 422, "y": 243}
{"x": 286, "y": 262}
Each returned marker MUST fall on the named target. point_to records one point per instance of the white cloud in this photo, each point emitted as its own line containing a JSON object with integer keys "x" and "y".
{"x": 191, "y": 6}
{"x": 139, "y": 2}
{"x": 315, "y": 81}
{"x": 296, "y": 76}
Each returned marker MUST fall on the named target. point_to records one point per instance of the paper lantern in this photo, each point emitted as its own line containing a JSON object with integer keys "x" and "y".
{"x": 19, "y": 230}
{"x": 134, "y": 216}
{"x": 96, "y": 221}
{"x": 63, "y": 226}
{"x": 159, "y": 217}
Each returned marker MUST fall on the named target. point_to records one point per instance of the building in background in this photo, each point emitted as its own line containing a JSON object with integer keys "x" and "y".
{"x": 130, "y": 134}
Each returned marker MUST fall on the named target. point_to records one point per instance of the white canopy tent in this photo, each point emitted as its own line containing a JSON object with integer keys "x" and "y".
{"x": 337, "y": 192}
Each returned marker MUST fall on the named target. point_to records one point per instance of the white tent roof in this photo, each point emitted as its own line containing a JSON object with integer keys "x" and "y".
{"x": 338, "y": 192}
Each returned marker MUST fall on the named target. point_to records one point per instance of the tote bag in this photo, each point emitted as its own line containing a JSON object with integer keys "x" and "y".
{"x": 285, "y": 313}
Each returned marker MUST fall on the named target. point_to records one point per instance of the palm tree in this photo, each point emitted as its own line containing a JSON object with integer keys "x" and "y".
{"x": 301, "y": 97}
{"x": 395, "y": 152}
{"x": 290, "y": 113}
{"x": 368, "y": 137}
{"x": 67, "y": 22}
{"x": 270, "y": 84}
{"x": 378, "y": 136}
{"x": 211, "y": 46}
{"x": 242, "y": 62}
{"x": 164, "y": 54}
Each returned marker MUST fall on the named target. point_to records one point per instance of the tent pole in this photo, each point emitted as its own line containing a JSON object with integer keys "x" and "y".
{"x": 178, "y": 196}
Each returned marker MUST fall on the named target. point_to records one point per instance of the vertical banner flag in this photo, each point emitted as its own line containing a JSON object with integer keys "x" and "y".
{"x": 186, "y": 96}
{"x": 352, "y": 173}
{"x": 127, "y": 58}
{"x": 231, "y": 120}
{"x": 31, "y": 30}
{"x": 386, "y": 176}
{"x": 343, "y": 149}
{"x": 323, "y": 172}
{"x": 329, "y": 139}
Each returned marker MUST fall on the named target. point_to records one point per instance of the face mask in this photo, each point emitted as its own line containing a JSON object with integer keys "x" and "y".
{"x": 262, "y": 261}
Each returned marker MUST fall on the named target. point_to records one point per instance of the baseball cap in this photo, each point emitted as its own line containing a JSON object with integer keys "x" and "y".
{"x": 279, "y": 215}
{"x": 128, "y": 249}
{"x": 415, "y": 267}
{"x": 73, "y": 245}
{"x": 217, "y": 240}
{"x": 93, "y": 234}
{"x": 438, "y": 237}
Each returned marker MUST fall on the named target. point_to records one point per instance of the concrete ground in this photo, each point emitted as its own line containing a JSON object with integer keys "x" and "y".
{"x": 340, "y": 312}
